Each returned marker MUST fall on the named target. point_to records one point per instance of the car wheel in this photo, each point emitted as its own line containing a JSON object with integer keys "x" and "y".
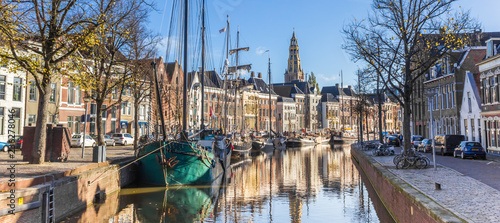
{"x": 462, "y": 155}
{"x": 124, "y": 142}
{"x": 5, "y": 148}
{"x": 484, "y": 157}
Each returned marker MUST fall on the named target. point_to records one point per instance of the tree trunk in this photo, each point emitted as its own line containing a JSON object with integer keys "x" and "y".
{"x": 98, "y": 122}
{"x": 40, "y": 138}
{"x": 406, "y": 124}
{"x": 136, "y": 123}
{"x": 361, "y": 123}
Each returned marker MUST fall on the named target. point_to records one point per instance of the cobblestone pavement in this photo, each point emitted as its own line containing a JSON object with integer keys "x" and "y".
{"x": 25, "y": 171}
{"x": 465, "y": 196}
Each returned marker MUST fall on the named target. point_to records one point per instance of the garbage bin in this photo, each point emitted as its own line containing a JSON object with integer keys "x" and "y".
{"x": 99, "y": 154}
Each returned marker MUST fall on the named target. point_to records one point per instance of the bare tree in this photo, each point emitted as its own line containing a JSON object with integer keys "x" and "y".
{"x": 363, "y": 86}
{"x": 402, "y": 40}
{"x": 105, "y": 70}
{"x": 39, "y": 37}
{"x": 141, "y": 47}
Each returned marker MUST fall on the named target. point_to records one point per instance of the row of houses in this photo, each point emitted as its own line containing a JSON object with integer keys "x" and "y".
{"x": 462, "y": 92}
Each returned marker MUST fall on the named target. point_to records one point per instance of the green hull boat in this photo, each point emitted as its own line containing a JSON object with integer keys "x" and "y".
{"x": 180, "y": 163}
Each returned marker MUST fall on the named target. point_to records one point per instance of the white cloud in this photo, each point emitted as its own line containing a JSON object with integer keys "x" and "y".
{"x": 328, "y": 78}
{"x": 260, "y": 50}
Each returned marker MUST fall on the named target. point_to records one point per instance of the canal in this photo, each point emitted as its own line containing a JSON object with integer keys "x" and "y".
{"x": 316, "y": 184}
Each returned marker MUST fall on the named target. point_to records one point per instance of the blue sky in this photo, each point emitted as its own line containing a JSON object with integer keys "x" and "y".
{"x": 268, "y": 25}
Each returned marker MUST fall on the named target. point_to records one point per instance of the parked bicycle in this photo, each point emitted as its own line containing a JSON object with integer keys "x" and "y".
{"x": 416, "y": 160}
{"x": 383, "y": 150}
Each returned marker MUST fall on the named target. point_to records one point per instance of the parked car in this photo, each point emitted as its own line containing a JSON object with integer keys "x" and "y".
{"x": 109, "y": 141}
{"x": 76, "y": 140}
{"x": 123, "y": 138}
{"x": 425, "y": 146}
{"x": 446, "y": 144}
{"x": 416, "y": 140}
{"x": 469, "y": 149}
{"x": 146, "y": 138}
{"x": 393, "y": 141}
{"x": 19, "y": 142}
{"x": 4, "y": 146}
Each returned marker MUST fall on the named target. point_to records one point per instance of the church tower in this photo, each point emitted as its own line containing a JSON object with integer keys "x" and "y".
{"x": 294, "y": 70}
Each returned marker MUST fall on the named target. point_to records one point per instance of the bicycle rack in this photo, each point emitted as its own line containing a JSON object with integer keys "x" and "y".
{"x": 48, "y": 202}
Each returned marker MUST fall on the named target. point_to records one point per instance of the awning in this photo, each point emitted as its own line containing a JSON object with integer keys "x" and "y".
{"x": 123, "y": 124}
{"x": 142, "y": 124}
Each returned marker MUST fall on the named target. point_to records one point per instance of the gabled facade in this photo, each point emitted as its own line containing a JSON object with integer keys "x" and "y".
{"x": 470, "y": 111}
{"x": 12, "y": 98}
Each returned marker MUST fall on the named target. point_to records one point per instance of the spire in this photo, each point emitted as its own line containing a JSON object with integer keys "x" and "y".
{"x": 294, "y": 70}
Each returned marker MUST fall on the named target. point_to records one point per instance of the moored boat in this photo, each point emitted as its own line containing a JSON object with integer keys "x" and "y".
{"x": 298, "y": 142}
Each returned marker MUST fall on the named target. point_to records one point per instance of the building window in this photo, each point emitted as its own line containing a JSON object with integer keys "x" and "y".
{"x": 71, "y": 93}
{"x": 17, "y": 93}
{"x": 124, "y": 108}
{"x": 92, "y": 126}
{"x": 469, "y": 101}
{"x": 472, "y": 129}
{"x": 31, "y": 119}
{"x": 32, "y": 91}
{"x": 53, "y": 93}
{"x": 78, "y": 95}
{"x": 113, "y": 112}
{"x": 114, "y": 95}
{"x": 103, "y": 113}
{"x": 129, "y": 108}
{"x": 2, "y": 119}
{"x": 2, "y": 87}
{"x": 70, "y": 124}
{"x": 93, "y": 109}
{"x": 77, "y": 124}
{"x": 113, "y": 126}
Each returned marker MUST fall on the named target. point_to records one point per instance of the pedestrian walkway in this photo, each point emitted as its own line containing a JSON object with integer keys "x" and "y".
{"x": 468, "y": 198}
{"x": 24, "y": 171}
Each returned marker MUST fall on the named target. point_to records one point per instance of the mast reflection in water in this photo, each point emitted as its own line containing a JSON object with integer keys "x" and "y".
{"x": 317, "y": 184}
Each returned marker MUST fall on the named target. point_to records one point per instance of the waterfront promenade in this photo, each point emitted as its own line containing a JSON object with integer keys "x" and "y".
{"x": 26, "y": 171}
{"x": 466, "y": 193}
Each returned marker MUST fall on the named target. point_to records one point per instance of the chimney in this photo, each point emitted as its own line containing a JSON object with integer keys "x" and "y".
{"x": 252, "y": 74}
{"x": 260, "y": 75}
{"x": 349, "y": 86}
{"x": 337, "y": 85}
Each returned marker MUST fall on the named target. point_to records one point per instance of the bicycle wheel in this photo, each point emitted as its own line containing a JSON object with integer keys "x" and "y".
{"x": 402, "y": 164}
{"x": 386, "y": 152}
{"x": 420, "y": 163}
{"x": 396, "y": 159}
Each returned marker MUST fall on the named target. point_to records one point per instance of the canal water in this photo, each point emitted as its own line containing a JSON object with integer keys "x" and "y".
{"x": 315, "y": 184}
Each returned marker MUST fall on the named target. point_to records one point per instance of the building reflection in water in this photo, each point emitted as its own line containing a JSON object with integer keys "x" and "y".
{"x": 306, "y": 184}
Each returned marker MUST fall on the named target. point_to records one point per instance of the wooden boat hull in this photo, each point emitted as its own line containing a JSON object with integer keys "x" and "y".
{"x": 242, "y": 150}
{"x": 299, "y": 142}
{"x": 183, "y": 163}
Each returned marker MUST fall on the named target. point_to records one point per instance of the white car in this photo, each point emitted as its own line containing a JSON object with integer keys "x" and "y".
{"x": 76, "y": 140}
{"x": 123, "y": 138}
{"x": 109, "y": 141}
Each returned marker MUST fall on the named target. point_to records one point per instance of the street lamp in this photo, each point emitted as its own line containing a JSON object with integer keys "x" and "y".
{"x": 431, "y": 95}
{"x": 86, "y": 100}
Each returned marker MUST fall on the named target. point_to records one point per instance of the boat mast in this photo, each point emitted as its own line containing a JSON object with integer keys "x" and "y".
{"x": 225, "y": 78}
{"x": 270, "y": 110}
{"x": 341, "y": 92}
{"x": 158, "y": 98}
{"x": 237, "y": 75}
{"x": 203, "y": 67}
{"x": 184, "y": 96}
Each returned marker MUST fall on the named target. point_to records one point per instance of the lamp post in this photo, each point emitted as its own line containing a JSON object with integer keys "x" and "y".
{"x": 86, "y": 100}
{"x": 431, "y": 95}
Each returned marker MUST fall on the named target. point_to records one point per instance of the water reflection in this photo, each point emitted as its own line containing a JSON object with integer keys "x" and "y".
{"x": 310, "y": 184}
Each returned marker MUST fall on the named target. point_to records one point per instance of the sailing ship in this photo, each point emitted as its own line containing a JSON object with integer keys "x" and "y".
{"x": 184, "y": 160}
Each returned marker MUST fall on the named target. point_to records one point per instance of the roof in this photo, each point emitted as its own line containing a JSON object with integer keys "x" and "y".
{"x": 335, "y": 91}
{"x": 328, "y": 98}
{"x": 260, "y": 85}
{"x": 285, "y": 99}
{"x": 286, "y": 90}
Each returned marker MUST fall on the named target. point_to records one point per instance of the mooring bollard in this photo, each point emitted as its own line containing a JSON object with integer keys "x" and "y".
{"x": 438, "y": 186}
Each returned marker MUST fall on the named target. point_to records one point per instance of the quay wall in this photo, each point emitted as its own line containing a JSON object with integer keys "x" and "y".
{"x": 404, "y": 202}
{"x": 72, "y": 193}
